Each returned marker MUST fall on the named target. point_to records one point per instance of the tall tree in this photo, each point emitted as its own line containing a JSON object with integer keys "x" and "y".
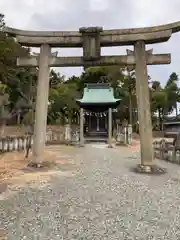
{"x": 5, "y": 113}
{"x": 159, "y": 101}
{"x": 172, "y": 90}
{"x": 62, "y": 105}
{"x": 2, "y": 21}
{"x": 17, "y": 79}
{"x": 55, "y": 78}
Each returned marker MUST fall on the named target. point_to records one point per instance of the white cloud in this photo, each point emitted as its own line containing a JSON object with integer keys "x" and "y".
{"x": 72, "y": 14}
{"x": 99, "y": 5}
{"x": 154, "y": 12}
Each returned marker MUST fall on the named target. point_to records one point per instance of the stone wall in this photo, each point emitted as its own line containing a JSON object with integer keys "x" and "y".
{"x": 16, "y": 138}
{"x": 12, "y": 131}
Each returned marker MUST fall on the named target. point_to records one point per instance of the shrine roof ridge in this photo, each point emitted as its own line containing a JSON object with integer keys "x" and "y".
{"x": 97, "y": 85}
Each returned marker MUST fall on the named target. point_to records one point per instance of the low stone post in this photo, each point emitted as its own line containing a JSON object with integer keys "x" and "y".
{"x": 129, "y": 133}
{"x": 67, "y": 133}
{"x": 162, "y": 144}
{"x": 125, "y": 135}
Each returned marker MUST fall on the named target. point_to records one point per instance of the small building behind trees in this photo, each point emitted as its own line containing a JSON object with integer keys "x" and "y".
{"x": 97, "y": 104}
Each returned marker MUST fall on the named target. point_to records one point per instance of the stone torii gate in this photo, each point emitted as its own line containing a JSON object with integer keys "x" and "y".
{"x": 91, "y": 40}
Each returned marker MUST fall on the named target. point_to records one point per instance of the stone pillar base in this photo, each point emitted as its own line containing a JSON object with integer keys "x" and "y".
{"x": 81, "y": 145}
{"x": 110, "y": 146}
{"x": 150, "y": 169}
{"x": 44, "y": 164}
{"x": 121, "y": 144}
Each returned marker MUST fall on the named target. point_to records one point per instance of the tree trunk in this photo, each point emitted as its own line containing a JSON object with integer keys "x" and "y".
{"x": 162, "y": 120}
{"x": 159, "y": 117}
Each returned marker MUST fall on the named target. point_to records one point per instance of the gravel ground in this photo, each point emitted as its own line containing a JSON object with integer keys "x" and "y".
{"x": 102, "y": 199}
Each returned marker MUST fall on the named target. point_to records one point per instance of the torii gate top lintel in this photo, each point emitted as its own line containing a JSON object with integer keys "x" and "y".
{"x": 113, "y": 37}
{"x": 174, "y": 27}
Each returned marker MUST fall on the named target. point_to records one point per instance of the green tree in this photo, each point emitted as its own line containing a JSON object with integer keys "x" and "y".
{"x": 129, "y": 91}
{"x": 62, "y": 105}
{"x": 94, "y": 75}
{"x": 2, "y": 21}
{"x": 172, "y": 91}
{"x": 55, "y": 78}
{"x": 20, "y": 81}
{"x": 159, "y": 101}
{"x": 4, "y": 107}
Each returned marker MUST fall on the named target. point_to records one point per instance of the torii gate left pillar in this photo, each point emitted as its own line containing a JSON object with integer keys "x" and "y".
{"x": 41, "y": 106}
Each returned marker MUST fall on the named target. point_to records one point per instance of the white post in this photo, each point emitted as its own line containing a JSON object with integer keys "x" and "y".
{"x": 129, "y": 134}
{"x": 68, "y": 133}
{"x": 97, "y": 123}
{"x": 125, "y": 135}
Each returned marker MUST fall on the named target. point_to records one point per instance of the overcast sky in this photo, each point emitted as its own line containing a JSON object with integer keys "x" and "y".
{"x": 72, "y": 14}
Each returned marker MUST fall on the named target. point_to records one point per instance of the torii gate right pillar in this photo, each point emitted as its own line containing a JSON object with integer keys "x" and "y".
{"x": 143, "y": 102}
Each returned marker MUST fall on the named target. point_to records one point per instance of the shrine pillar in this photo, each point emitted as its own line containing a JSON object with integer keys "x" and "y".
{"x": 143, "y": 102}
{"x": 41, "y": 105}
{"x": 81, "y": 127}
{"x": 110, "y": 128}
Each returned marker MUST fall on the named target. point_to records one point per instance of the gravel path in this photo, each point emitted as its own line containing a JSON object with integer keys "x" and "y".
{"x": 100, "y": 199}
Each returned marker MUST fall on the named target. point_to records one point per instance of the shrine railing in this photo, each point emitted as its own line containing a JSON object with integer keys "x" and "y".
{"x": 9, "y": 144}
{"x": 22, "y": 143}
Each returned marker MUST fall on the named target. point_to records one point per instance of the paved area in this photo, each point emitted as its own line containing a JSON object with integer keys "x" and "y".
{"x": 98, "y": 198}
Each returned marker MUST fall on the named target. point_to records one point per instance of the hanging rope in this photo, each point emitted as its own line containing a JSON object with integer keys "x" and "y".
{"x": 96, "y": 114}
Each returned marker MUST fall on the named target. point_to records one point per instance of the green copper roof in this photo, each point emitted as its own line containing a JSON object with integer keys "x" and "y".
{"x": 98, "y": 93}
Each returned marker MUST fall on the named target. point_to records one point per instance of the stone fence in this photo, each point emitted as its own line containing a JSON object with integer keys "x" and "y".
{"x": 9, "y": 144}
{"x": 66, "y": 135}
{"x": 21, "y": 143}
{"x": 164, "y": 150}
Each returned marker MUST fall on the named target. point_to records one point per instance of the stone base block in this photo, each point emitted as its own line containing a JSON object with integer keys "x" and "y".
{"x": 44, "y": 164}
{"x": 81, "y": 145}
{"x": 73, "y": 144}
{"x": 110, "y": 146}
{"x": 121, "y": 144}
{"x": 150, "y": 169}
